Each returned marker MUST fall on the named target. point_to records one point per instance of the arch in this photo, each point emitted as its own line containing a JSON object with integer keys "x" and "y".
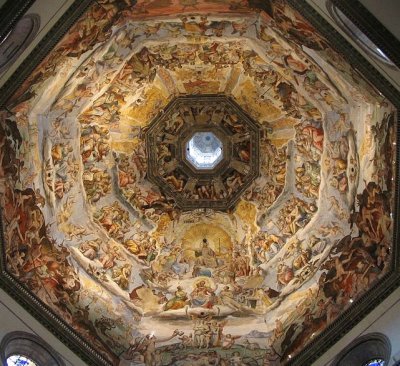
{"x": 18, "y": 39}
{"x": 353, "y": 31}
{"x": 30, "y": 346}
{"x": 364, "y": 349}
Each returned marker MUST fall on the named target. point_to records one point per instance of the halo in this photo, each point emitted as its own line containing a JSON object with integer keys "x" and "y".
{"x": 207, "y": 280}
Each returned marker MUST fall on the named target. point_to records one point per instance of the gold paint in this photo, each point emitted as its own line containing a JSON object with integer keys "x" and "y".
{"x": 278, "y": 142}
{"x": 163, "y": 223}
{"x": 301, "y": 294}
{"x": 284, "y": 123}
{"x": 248, "y": 96}
{"x": 149, "y": 300}
{"x": 125, "y": 146}
{"x": 156, "y": 98}
{"x": 247, "y": 212}
{"x": 184, "y": 74}
{"x": 233, "y": 79}
{"x": 202, "y": 87}
{"x": 88, "y": 283}
{"x": 218, "y": 240}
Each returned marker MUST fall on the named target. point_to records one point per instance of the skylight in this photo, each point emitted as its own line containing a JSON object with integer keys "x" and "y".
{"x": 204, "y": 150}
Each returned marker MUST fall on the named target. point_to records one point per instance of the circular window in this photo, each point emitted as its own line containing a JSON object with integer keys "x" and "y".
{"x": 26, "y": 349}
{"x": 372, "y": 349}
{"x": 355, "y": 33}
{"x": 19, "y": 360}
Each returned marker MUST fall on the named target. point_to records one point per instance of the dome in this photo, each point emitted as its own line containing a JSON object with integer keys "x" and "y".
{"x": 197, "y": 175}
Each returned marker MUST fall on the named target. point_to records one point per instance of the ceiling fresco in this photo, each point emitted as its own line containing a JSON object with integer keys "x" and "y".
{"x": 112, "y": 252}
{"x": 203, "y": 151}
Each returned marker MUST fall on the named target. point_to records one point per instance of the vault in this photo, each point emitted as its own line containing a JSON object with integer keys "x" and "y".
{"x": 268, "y": 237}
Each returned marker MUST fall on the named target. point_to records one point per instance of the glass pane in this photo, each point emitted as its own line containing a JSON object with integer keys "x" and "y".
{"x": 19, "y": 360}
{"x": 375, "y": 362}
{"x": 204, "y": 150}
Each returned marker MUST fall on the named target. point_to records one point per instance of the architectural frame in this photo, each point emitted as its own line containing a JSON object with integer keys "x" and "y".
{"x": 12, "y": 12}
{"x": 364, "y": 349}
{"x": 206, "y": 176}
{"x": 367, "y": 23}
{"x": 371, "y": 27}
{"x": 31, "y": 346}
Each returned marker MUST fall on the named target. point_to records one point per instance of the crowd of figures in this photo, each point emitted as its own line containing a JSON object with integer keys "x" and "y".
{"x": 32, "y": 255}
{"x": 144, "y": 270}
{"x": 207, "y": 344}
{"x": 140, "y": 193}
{"x": 295, "y": 215}
{"x": 267, "y": 188}
{"x": 105, "y": 112}
{"x": 353, "y": 265}
{"x": 309, "y": 146}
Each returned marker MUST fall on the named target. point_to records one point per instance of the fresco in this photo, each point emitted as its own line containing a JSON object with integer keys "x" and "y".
{"x": 147, "y": 283}
{"x": 206, "y": 152}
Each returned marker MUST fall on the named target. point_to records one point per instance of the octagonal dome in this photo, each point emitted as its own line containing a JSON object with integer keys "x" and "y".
{"x": 207, "y": 151}
{"x": 125, "y": 241}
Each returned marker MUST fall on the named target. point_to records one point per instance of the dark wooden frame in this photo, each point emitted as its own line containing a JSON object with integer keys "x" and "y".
{"x": 318, "y": 346}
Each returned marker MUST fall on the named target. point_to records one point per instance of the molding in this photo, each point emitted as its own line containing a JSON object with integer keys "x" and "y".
{"x": 28, "y": 38}
{"x": 363, "y": 349}
{"x": 10, "y": 13}
{"x": 371, "y": 27}
{"x": 31, "y": 346}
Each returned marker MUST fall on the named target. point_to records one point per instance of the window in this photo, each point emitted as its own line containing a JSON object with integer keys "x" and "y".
{"x": 26, "y": 349}
{"x": 375, "y": 362}
{"x": 19, "y": 360}
{"x": 372, "y": 349}
{"x": 204, "y": 150}
{"x": 356, "y": 34}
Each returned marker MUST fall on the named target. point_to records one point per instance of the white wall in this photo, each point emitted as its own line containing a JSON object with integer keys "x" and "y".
{"x": 387, "y": 12}
{"x": 50, "y": 11}
{"x": 390, "y": 73}
{"x": 14, "y": 318}
{"x": 385, "y": 319}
